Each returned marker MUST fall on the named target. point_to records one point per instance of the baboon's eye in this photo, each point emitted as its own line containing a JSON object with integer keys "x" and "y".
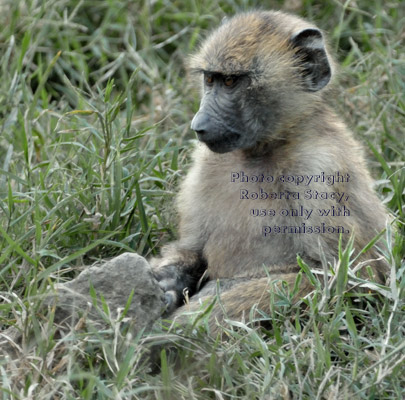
{"x": 230, "y": 80}
{"x": 209, "y": 79}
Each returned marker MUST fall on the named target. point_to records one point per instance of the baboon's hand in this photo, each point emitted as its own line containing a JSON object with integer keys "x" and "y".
{"x": 170, "y": 280}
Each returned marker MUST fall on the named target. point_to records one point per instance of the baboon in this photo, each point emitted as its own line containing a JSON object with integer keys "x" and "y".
{"x": 276, "y": 173}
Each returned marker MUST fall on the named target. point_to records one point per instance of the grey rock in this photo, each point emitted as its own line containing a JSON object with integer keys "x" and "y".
{"x": 112, "y": 284}
{"x": 107, "y": 284}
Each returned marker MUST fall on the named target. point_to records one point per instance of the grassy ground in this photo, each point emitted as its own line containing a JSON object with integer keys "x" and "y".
{"x": 95, "y": 108}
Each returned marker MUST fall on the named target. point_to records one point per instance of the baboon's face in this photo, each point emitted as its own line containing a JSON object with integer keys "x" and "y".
{"x": 259, "y": 75}
{"x": 225, "y": 113}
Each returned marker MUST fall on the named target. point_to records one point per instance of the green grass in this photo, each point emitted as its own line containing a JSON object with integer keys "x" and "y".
{"x": 95, "y": 108}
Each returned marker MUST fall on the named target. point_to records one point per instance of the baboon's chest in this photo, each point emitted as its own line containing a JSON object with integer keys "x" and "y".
{"x": 243, "y": 210}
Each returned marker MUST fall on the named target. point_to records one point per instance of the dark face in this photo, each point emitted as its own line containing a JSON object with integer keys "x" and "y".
{"x": 225, "y": 121}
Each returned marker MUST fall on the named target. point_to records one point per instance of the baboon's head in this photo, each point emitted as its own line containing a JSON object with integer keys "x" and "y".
{"x": 261, "y": 72}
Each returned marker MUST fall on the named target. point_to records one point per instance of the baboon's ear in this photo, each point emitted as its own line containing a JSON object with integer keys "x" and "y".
{"x": 312, "y": 56}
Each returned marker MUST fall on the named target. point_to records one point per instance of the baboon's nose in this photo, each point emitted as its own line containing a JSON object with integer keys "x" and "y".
{"x": 201, "y": 123}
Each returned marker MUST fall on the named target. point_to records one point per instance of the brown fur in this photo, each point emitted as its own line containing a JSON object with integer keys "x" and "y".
{"x": 216, "y": 230}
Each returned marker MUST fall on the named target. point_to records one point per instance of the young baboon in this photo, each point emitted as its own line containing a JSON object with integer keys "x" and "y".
{"x": 277, "y": 172}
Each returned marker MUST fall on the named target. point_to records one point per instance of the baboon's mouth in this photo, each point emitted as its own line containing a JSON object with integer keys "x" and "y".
{"x": 222, "y": 145}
